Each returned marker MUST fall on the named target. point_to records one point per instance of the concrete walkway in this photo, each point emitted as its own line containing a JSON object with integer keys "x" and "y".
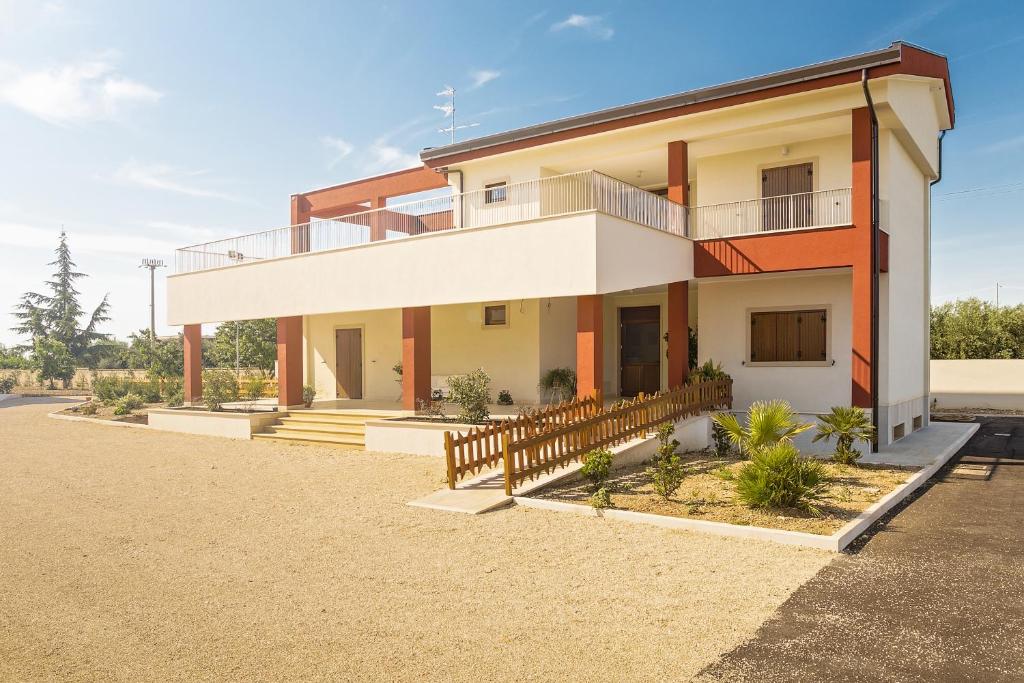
{"x": 936, "y": 594}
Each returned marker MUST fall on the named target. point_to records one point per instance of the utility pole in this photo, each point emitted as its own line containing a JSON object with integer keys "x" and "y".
{"x": 152, "y": 264}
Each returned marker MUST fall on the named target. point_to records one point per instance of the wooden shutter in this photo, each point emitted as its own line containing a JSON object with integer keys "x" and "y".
{"x": 788, "y": 336}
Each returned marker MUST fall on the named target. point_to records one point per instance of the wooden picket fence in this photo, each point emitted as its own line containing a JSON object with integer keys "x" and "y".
{"x": 555, "y": 436}
{"x": 540, "y": 453}
{"x": 480, "y": 447}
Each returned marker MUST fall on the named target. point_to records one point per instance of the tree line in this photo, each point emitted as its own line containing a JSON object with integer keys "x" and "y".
{"x": 62, "y": 337}
{"x": 972, "y": 328}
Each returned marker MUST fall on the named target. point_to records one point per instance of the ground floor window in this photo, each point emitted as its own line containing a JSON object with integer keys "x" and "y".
{"x": 789, "y": 336}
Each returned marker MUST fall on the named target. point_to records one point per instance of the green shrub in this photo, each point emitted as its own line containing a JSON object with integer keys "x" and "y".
{"x": 253, "y": 388}
{"x": 219, "y": 387}
{"x": 667, "y": 470}
{"x": 505, "y": 398}
{"x": 6, "y": 384}
{"x": 89, "y": 408}
{"x": 601, "y": 498}
{"x": 127, "y": 403}
{"x": 51, "y": 360}
{"x": 308, "y": 395}
{"x": 721, "y": 440}
{"x": 471, "y": 392}
{"x": 848, "y": 425}
{"x": 707, "y": 372}
{"x": 108, "y": 389}
{"x": 560, "y": 382}
{"x": 768, "y": 423}
{"x": 175, "y": 398}
{"x": 597, "y": 465}
{"x": 150, "y": 390}
{"x": 172, "y": 387}
{"x": 778, "y": 477}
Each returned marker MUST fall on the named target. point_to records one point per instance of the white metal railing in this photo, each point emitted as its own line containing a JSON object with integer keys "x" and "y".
{"x": 826, "y": 208}
{"x": 545, "y": 197}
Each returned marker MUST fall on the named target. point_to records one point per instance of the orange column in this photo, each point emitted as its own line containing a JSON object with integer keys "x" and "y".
{"x": 589, "y": 344}
{"x": 289, "y": 361}
{"x": 193, "y": 342}
{"x": 300, "y": 224}
{"x": 678, "y": 171}
{"x": 861, "y": 210}
{"x": 678, "y": 333}
{"x": 378, "y": 228}
{"x": 415, "y": 356}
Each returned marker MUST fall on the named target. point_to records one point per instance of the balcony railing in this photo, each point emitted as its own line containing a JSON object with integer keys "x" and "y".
{"x": 561, "y": 195}
{"x": 827, "y": 208}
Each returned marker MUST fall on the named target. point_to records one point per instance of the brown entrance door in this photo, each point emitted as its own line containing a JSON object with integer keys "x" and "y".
{"x": 639, "y": 350}
{"x": 785, "y": 196}
{"x": 348, "y": 369}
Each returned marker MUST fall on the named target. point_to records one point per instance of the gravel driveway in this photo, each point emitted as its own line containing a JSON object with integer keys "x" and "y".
{"x": 132, "y": 554}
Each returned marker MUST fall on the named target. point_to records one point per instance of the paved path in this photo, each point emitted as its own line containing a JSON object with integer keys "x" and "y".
{"x": 937, "y": 594}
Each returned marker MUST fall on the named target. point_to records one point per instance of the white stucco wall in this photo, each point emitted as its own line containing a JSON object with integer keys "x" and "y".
{"x": 557, "y": 333}
{"x": 382, "y": 348}
{"x": 995, "y": 384}
{"x": 723, "y": 336}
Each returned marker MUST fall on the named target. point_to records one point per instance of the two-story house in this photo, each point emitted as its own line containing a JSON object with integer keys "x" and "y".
{"x": 784, "y": 218}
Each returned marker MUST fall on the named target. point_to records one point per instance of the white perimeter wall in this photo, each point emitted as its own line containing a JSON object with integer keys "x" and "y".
{"x": 723, "y": 329}
{"x": 978, "y": 384}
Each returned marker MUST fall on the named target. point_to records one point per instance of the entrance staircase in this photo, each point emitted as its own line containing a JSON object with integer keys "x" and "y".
{"x": 343, "y": 428}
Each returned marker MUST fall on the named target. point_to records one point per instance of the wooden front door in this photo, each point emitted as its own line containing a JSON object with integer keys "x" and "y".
{"x": 639, "y": 350}
{"x": 786, "y": 201}
{"x": 348, "y": 367}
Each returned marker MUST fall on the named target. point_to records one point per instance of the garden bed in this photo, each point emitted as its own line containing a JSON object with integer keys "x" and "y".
{"x": 708, "y": 493}
{"x": 106, "y": 413}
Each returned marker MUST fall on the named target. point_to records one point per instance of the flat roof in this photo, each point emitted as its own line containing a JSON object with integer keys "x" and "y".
{"x": 890, "y": 55}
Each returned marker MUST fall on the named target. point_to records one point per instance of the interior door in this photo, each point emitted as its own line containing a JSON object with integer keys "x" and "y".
{"x": 785, "y": 196}
{"x": 348, "y": 346}
{"x": 639, "y": 350}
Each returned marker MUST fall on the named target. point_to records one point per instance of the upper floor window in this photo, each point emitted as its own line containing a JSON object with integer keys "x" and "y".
{"x": 495, "y": 192}
{"x": 789, "y": 336}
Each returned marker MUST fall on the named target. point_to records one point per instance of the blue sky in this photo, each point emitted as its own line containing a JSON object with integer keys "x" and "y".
{"x": 140, "y": 127}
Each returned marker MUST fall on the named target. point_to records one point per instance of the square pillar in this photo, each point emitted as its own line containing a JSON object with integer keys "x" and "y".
{"x": 193, "y": 343}
{"x": 589, "y": 345}
{"x": 300, "y": 224}
{"x": 678, "y": 333}
{"x": 289, "y": 362}
{"x": 378, "y": 225}
{"x": 861, "y": 389}
{"x": 678, "y": 172}
{"x": 415, "y": 356}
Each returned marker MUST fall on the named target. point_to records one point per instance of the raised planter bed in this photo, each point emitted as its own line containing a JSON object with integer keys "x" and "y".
{"x": 232, "y": 425}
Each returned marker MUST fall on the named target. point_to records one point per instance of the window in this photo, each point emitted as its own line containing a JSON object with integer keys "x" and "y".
{"x": 789, "y": 336}
{"x": 494, "y": 192}
{"x": 495, "y": 316}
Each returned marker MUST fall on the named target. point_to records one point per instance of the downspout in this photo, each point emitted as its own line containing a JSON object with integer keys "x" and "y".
{"x": 875, "y": 257}
{"x": 928, "y": 292}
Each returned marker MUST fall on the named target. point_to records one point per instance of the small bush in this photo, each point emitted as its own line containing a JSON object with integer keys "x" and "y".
{"x": 560, "y": 382}
{"x": 89, "y": 408}
{"x": 253, "y": 387}
{"x": 308, "y": 395}
{"x": 219, "y": 387}
{"x": 172, "y": 388}
{"x": 601, "y": 498}
{"x": 848, "y": 425}
{"x": 6, "y": 384}
{"x": 471, "y": 392}
{"x": 667, "y": 471}
{"x": 149, "y": 391}
{"x": 176, "y": 398}
{"x": 505, "y": 398}
{"x": 127, "y": 403}
{"x": 720, "y": 437}
{"x": 707, "y": 372}
{"x": 597, "y": 465}
{"x": 778, "y": 477}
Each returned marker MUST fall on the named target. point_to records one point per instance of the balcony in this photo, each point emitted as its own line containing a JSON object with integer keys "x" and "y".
{"x": 556, "y": 196}
{"x": 823, "y": 209}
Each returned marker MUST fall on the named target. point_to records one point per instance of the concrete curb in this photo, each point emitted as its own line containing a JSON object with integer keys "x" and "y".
{"x": 834, "y": 543}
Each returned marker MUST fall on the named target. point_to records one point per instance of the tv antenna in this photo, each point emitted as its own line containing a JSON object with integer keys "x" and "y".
{"x": 449, "y": 110}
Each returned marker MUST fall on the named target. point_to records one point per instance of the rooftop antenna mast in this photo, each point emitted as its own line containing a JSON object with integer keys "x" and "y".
{"x": 449, "y": 110}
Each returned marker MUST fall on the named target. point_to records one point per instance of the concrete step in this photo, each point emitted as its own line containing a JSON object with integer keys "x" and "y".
{"x": 312, "y": 438}
{"x": 286, "y": 427}
{"x": 348, "y": 414}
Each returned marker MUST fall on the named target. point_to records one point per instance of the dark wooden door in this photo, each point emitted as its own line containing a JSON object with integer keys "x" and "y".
{"x": 639, "y": 350}
{"x": 786, "y": 201}
{"x": 348, "y": 368}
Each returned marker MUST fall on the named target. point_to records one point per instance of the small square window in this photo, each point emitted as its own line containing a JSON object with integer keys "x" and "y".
{"x": 494, "y": 192}
{"x": 495, "y": 316}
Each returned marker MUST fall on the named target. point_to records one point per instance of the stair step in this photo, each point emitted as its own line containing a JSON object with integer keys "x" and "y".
{"x": 357, "y": 415}
{"x": 318, "y": 420}
{"x": 321, "y": 439}
{"x": 353, "y": 431}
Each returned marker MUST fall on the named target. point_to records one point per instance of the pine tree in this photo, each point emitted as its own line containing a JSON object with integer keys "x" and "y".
{"x": 55, "y": 316}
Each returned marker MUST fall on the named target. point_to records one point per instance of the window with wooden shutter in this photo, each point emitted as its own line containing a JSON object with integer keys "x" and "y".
{"x": 789, "y": 336}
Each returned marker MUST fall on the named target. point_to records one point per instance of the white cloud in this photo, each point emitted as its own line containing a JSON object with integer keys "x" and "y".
{"x": 384, "y": 157}
{"x": 593, "y": 24}
{"x": 89, "y": 90}
{"x": 35, "y": 237}
{"x": 483, "y": 77}
{"x": 339, "y": 148}
{"x": 167, "y": 178}
{"x": 1005, "y": 145}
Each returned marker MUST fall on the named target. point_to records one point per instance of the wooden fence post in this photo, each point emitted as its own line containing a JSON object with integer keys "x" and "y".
{"x": 507, "y": 458}
{"x": 449, "y": 456}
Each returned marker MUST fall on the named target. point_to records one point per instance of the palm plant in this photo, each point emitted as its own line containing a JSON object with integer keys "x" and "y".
{"x": 768, "y": 423}
{"x": 848, "y": 424}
